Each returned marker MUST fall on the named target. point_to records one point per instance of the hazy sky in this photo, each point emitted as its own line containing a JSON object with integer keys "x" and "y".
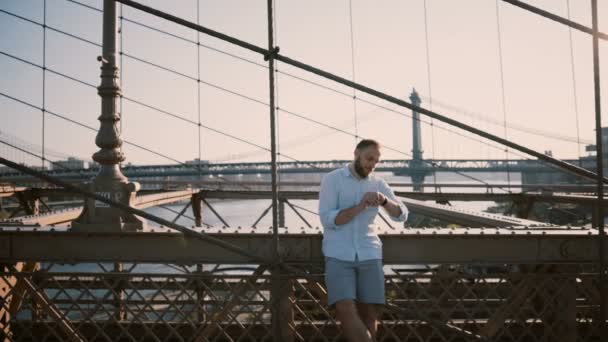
{"x": 389, "y": 49}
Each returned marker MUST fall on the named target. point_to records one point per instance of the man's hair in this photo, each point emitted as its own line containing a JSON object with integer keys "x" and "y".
{"x": 363, "y": 144}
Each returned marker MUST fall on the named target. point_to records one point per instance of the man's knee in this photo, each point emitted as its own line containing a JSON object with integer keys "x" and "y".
{"x": 345, "y": 309}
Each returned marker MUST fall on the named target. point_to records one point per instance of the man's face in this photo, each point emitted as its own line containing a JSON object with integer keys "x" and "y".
{"x": 366, "y": 160}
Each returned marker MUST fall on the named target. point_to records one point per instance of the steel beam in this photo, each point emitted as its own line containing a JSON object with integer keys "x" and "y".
{"x": 406, "y": 246}
{"x": 67, "y": 215}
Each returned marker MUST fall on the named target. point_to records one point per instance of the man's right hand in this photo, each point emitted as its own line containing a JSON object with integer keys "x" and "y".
{"x": 370, "y": 199}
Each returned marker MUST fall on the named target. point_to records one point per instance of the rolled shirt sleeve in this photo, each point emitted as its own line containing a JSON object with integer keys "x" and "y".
{"x": 328, "y": 202}
{"x": 388, "y": 192}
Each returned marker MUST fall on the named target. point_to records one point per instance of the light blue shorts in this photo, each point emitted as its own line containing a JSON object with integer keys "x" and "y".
{"x": 362, "y": 281}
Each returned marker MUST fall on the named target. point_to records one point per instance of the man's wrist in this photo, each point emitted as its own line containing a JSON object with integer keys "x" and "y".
{"x": 384, "y": 202}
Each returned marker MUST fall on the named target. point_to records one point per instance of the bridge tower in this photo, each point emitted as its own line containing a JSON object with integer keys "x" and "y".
{"x": 109, "y": 182}
{"x": 417, "y": 161}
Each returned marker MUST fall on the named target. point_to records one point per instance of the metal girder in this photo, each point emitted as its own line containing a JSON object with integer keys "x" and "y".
{"x": 7, "y": 190}
{"x": 467, "y": 217}
{"x": 67, "y": 215}
{"x": 46, "y": 219}
{"x": 407, "y": 246}
{"x": 153, "y": 200}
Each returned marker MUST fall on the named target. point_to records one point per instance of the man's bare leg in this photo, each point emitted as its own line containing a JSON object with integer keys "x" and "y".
{"x": 369, "y": 316}
{"x": 354, "y": 329}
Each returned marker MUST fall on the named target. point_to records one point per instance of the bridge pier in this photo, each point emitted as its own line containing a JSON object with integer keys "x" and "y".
{"x": 417, "y": 162}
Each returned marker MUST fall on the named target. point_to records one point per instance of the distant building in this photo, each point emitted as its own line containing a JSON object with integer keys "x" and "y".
{"x": 70, "y": 164}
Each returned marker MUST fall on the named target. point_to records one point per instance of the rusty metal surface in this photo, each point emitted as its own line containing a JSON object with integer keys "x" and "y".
{"x": 457, "y": 302}
{"x": 301, "y": 245}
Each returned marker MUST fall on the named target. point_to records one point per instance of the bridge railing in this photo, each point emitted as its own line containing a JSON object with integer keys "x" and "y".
{"x": 448, "y": 302}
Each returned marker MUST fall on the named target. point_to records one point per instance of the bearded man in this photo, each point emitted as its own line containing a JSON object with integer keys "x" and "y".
{"x": 349, "y": 201}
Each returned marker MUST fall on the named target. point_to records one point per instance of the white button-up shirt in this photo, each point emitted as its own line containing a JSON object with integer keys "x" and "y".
{"x": 357, "y": 238}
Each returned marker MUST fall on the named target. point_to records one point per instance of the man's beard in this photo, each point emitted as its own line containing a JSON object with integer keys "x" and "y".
{"x": 359, "y": 169}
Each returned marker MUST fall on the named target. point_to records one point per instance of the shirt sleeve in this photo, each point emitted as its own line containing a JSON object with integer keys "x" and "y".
{"x": 388, "y": 192}
{"x": 328, "y": 202}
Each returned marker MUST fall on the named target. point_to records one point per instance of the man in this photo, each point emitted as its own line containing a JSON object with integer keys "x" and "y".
{"x": 348, "y": 205}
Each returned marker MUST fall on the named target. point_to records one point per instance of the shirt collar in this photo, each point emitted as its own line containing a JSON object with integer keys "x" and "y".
{"x": 346, "y": 173}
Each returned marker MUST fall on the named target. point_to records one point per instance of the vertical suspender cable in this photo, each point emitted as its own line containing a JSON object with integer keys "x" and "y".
{"x": 43, "y": 161}
{"x": 120, "y": 53}
{"x": 276, "y": 280}
{"x": 278, "y": 106}
{"x": 502, "y": 88}
{"x": 352, "y": 60}
{"x": 572, "y": 68}
{"x": 428, "y": 76}
{"x": 600, "y": 171}
{"x": 198, "y": 86}
{"x": 273, "y": 141}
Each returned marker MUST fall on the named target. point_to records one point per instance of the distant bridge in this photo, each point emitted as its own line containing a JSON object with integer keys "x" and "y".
{"x": 403, "y": 167}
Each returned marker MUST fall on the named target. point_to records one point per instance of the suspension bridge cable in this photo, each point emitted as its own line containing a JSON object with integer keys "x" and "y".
{"x": 191, "y": 77}
{"x": 194, "y": 166}
{"x": 502, "y": 88}
{"x": 196, "y": 80}
{"x": 430, "y": 88}
{"x": 531, "y": 131}
{"x": 260, "y": 102}
{"x": 238, "y": 94}
{"x": 242, "y": 140}
{"x": 452, "y": 108}
{"x": 43, "y": 82}
{"x": 512, "y": 126}
{"x": 276, "y": 93}
{"x": 125, "y": 141}
{"x": 198, "y": 84}
{"x": 575, "y": 97}
{"x": 434, "y": 165}
{"x": 352, "y": 63}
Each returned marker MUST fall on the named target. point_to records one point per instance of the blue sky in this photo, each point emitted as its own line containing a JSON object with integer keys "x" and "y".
{"x": 389, "y": 50}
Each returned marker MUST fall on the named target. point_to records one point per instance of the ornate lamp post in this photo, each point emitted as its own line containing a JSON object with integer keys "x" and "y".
{"x": 109, "y": 182}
